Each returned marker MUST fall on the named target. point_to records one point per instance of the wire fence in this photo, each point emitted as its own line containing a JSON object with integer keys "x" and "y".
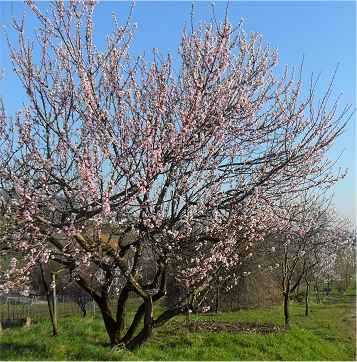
{"x": 14, "y": 308}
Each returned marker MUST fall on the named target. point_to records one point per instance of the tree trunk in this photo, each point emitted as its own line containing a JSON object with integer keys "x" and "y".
{"x": 139, "y": 315}
{"x": 114, "y": 326}
{"x": 82, "y": 306}
{"x": 286, "y": 309}
{"x": 121, "y": 309}
{"x": 217, "y": 299}
{"x": 50, "y": 303}
{"x": 307, "y": 300}
{"x": 134, "y": 324}
{"x": 146, "y": 332}
{"x": 317, "y": 292}
{"x": 111, "y": 326}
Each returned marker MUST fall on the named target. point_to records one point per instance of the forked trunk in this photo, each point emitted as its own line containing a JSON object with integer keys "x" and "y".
{"x": 146, "y": 332}
{"x": 115, "y": 327}
{"x": 134, "y": 324}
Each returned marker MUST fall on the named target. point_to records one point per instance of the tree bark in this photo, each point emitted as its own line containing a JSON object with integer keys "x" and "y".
{"x": 134, "y": 324}
{"x": 111, "y": 325}
{"x": 146, "y": 332}
{"x": 49, "y": 302}
{"x": 121, "y": 308}
{"x": 114, "y": 325}
{"x": 170, "y": 313}
{"x": 141, "y": 312}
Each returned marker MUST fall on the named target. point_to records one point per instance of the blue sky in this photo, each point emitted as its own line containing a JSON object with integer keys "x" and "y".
{"x": 323, "y": 32}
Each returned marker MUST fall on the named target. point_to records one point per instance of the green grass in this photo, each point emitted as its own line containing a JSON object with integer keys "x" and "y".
{"x": 328, "y": 333}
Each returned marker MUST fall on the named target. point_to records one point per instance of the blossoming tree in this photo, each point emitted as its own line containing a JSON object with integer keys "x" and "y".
{"x": 305, "y": 242}
{"x": 115, "y": 163}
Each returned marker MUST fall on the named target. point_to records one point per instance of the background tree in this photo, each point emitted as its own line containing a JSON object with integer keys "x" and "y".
{"x": 308, "y": 234}
{"x": 345, "y": 263}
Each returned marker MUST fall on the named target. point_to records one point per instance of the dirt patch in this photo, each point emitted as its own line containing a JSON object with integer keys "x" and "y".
{"x": 211, "y": 326}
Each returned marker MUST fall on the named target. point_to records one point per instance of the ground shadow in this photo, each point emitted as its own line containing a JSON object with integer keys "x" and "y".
{"x": 19, "y": 349}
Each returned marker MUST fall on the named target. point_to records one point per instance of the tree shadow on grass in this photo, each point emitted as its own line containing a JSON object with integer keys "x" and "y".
{"x": 13, "y": 323}
{"x": 18, "y": 350}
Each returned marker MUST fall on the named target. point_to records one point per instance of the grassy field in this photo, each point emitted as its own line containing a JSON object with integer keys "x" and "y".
{"x": 328, "y": 333}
